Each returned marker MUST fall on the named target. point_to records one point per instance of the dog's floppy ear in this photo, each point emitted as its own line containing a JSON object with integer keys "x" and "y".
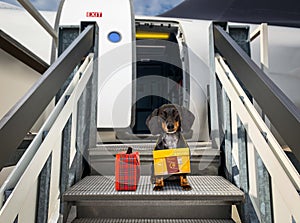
{"x": 187, "y": 118}
{"x": 153, "y": 123}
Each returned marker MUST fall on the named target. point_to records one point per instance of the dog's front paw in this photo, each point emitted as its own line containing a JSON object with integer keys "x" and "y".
{"x": 184, "y": 183}
{"x": 158, "y": 188}
{"x": 186, "y": 187}
{"x": 159, "y": 184}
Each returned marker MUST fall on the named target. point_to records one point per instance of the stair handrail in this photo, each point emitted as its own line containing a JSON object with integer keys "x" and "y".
{"x": 25, "y": 175}
{"x": 283, "y": 173}
{"x": 29, "y": 108}
{"x": 286, "y": 164}
{"x": 281, "y": 111}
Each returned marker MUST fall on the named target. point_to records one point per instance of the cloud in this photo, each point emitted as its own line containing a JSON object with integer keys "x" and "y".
{"x": 153, "y": 7}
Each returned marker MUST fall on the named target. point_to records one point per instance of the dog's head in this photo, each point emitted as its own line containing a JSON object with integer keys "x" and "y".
{"x": 170, "y": 118}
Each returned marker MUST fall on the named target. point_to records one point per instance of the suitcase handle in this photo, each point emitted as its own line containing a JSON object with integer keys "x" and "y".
{"x": 129, "y": 150}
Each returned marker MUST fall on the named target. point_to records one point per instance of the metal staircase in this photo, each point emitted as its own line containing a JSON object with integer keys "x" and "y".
{"x": 211, "y": 198}
{"x": 96, "y": 199}
{"x": 49, "y": 174}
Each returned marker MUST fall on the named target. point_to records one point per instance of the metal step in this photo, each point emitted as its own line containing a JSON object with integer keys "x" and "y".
{"x": 204, "y": 159}
{"x": 150, "y": 145}
{"x": 95, "y": 220}
{"x": 210, "y": 198}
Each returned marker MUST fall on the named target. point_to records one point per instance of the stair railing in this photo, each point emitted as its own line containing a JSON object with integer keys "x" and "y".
{"x": 24, "y": 178}
{"x": 254, "y": 160}
{"x": 283, "y": 113}
{"x": 29, "y": 108}
{"x": 32, "y": 192}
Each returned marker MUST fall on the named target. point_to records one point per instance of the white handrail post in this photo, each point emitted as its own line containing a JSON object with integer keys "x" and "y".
{"x": 264, "y": 47}
{"x": 262, "y": 31}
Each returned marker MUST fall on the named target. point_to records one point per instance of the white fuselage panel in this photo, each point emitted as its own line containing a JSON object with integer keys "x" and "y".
{"x": 115, "y": 58}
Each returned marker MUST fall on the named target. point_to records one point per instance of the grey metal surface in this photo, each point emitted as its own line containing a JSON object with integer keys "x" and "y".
{"x": 204, "y": 188}
{"x": 150, "y": 145}
{"x": 264, "y": 191}
{"x": 44, "y": 192}
{"x": 283, "y": 114}
{"x": 153, "y": 209}
{"x": 17, "y": 50}
{"x": 94, "y": 220}
{"x": 145, "y": 149}
{"x": 227, "y": 136}
{"x": 19, "y": 120}
{"x": 65, "y": 162}
{"x": 246, "y": 210}
{"x": 197, "y": 148}
{"x": 211, "y": 198}
{"x": 66, "y": 36}
{"x": 240, "y": 33}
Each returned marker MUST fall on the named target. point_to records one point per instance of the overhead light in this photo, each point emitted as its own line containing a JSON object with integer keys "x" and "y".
{"x": 151, "y": 35}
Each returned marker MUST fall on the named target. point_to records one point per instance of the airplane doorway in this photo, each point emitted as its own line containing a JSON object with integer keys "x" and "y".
{"x": 159, "y": 71}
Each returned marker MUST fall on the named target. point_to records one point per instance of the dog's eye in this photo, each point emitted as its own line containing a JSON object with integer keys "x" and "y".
{"x": 165, "y": 114}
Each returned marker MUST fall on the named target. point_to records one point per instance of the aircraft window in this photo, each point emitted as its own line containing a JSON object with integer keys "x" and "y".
{"x": 114, "y": 37}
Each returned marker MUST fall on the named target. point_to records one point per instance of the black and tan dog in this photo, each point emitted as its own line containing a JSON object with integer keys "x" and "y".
{"x": 169, "y": 121}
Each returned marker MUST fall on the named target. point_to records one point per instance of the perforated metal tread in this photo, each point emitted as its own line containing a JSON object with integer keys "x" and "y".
{"x": 204, "y": 188}
{"x": 197, "y": 148}
{"x": 93, "y": 220}
{"x": 150, "y": 146}
{"x": 146, "y": 146}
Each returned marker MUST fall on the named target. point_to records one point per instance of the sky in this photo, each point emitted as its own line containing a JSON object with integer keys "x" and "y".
{"x": 142, "y": 7}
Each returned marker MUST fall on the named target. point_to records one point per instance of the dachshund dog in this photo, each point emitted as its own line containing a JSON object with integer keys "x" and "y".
{"x": 169, "y": 121}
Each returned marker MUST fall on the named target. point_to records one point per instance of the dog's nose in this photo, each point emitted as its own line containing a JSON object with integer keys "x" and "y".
{"x": 170, "y": 126}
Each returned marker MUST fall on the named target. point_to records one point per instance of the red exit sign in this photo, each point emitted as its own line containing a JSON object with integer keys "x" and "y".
{"x": 94, "y": 14}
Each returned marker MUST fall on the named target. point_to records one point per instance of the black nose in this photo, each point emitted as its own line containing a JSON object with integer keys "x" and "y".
{"x": 170, "y": 126}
